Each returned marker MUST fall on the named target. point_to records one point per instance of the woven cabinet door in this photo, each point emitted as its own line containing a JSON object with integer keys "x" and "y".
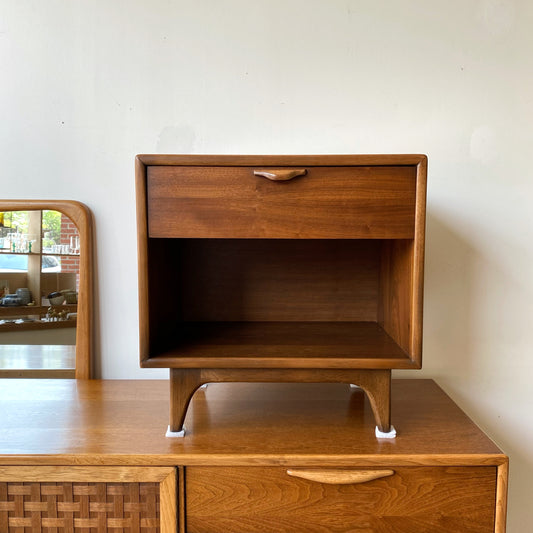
{"x": 87, "y": 500}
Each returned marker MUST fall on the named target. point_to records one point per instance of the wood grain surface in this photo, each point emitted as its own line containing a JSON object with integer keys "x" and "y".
{"x": 279, "y": 345}
{"x": 341, "y": 242}
{"x": 328, "y": 202}
{"x": 241, "y": 440}
{"x": 339, "y": 476}
{"x": 124, "y": 422}
{"x": 414, "y": 500}
{"x": 375, "y": 383}
{"x": 280, "y": 280}
{"x": 282, "y": 160}
{"x": 80, "y": 507}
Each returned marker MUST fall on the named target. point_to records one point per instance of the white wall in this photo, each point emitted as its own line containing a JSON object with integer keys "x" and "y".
{"x": 87, "y": 85}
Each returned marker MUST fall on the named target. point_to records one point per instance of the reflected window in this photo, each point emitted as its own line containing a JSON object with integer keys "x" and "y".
{"x": 39, "y": 284}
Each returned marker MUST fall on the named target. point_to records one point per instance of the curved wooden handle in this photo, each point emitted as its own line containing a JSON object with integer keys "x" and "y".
{"x": 340, "y": 477}
{"x": 282, "y": 174}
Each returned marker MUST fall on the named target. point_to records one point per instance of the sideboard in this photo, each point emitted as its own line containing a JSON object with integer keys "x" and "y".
{"x": 91, "y": 456}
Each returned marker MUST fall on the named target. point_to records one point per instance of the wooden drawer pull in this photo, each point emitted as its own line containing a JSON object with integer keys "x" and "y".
{"x": 281, "y": 174}
{"x": 340, "y": 477}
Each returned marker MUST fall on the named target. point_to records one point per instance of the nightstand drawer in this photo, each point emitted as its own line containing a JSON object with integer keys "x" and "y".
{"x": 405, "y": 499}
{"x": 251, "y": 202}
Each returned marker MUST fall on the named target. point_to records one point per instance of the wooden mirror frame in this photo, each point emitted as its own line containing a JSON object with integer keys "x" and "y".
{"x": 82, "y": 218}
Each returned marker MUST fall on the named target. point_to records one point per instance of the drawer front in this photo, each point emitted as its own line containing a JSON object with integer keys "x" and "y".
{"x": 406, "y": 500}
{"x": 327, "y": 202}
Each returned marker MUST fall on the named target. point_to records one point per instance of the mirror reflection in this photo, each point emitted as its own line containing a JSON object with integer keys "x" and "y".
{"x": 39, "y": 290}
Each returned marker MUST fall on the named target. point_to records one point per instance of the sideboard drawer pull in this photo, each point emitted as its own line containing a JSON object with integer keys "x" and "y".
{"x": 340, "y": 477}
{"x": 281, "y": 174}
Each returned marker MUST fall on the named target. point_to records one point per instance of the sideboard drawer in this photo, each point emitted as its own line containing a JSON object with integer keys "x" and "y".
{"x": 324, "y": 202}
{"x": 406, "y": 499}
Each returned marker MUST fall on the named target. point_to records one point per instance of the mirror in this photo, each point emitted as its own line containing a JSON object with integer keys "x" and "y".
{"x": 46, "y": 285}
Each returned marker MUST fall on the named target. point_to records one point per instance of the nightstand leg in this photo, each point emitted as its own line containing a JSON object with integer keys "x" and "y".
{"x": 377, "y": 386}
{"x": 183, "y": 383}
{"x": 375, "y": 383}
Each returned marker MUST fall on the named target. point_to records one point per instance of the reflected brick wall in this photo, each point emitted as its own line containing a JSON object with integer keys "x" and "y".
{"x": 69, "y": 263}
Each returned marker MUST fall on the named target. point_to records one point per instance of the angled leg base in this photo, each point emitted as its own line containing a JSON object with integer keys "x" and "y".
{"x": 375, "y": 383}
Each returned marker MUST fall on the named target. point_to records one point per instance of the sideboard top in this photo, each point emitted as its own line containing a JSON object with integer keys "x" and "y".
{"x": 58, "y": 422}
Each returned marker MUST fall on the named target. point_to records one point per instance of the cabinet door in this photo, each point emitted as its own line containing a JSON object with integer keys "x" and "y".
{"x": 81, "y": 499}
{"x": 378, "y": 500}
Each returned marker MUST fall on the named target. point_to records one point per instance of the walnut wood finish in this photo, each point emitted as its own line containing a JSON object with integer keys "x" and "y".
{"x": 81, "y": 216}
{"x": 327, "y": 203}
{"x": 81, "y": 499}
{"x": 316, "y": 273}
{"x": 280, "y": 174}
{"x": 277, "y": 280}
{"x": 395, "y": 297}
{"x": 375, "y": 383}
{"x": 261, "y": 161}
{"x": 342, "y": 345}
{"x": 413, "y": 499}
{"x": 103, "y": 474}
{"x": 242, "y": 438}
{"x": 501, "y": 497}
{"x": 93, "y": 422}
{"x": 339, "y": 477}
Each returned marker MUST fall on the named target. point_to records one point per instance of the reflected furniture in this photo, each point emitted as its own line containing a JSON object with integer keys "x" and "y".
{"x": 80, "y": 215}
{"x": 257, "y": 458}
{"x": 281, "y": 269}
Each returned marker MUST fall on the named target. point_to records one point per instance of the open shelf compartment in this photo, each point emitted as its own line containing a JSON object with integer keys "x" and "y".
{"x": 281, "y": 303}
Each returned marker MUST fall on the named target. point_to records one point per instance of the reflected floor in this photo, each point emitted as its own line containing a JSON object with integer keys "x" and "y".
{"x": 25, "y": 360}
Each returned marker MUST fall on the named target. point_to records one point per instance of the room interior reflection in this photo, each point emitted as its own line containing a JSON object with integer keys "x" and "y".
{"x": 39, "y": 283}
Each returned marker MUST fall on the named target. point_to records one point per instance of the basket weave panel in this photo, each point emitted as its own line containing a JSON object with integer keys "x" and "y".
{"x": 79, "y": 507}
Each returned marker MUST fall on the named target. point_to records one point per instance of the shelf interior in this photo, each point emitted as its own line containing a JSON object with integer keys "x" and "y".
{"x": 279, "y": 298}
{"x": 283, "y": 341}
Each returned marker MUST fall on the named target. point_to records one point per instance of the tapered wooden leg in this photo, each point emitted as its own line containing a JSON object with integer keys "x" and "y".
{"x": 377, "y": 386}
{"x": 183, "y": 383}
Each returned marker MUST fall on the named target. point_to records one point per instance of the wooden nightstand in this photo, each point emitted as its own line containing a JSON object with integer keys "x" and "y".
{"x": 281, "y": 269}
{"x": 257, "y": 458}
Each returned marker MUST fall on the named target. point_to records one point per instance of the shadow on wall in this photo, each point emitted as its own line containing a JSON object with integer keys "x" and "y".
{"x": 476, "y": 303}
{"x": 448, "y": 306}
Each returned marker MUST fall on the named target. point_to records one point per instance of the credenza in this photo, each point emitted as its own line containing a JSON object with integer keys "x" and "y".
{"x": 92, "y": 456}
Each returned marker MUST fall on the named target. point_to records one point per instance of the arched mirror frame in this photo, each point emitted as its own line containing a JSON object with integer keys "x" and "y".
{"x": 82, "y": 218}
